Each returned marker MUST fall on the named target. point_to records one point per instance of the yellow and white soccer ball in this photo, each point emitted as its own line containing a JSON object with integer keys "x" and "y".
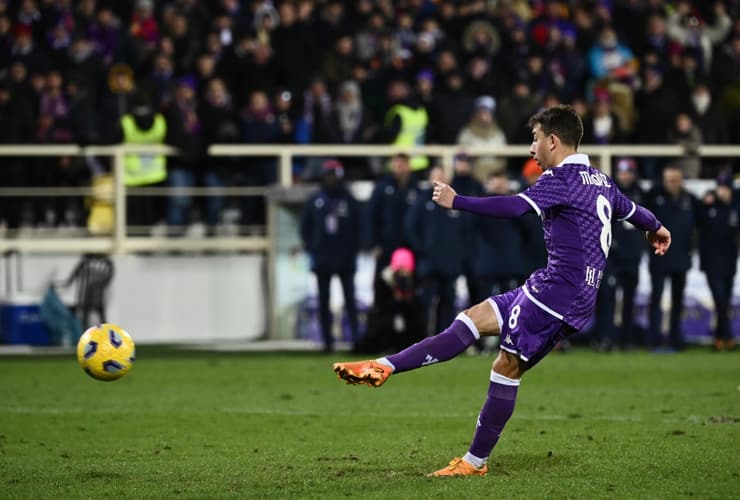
{"x": 106, "y": 352}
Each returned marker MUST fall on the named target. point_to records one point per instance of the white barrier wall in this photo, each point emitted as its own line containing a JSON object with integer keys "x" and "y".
{"x": 167, "y": 299}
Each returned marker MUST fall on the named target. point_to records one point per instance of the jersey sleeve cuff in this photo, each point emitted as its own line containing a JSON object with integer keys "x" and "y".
{"x": 531, "y": 203}
{"x": 629, "y": 214}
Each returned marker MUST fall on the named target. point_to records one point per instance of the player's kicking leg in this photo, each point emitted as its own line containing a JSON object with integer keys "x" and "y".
{"x": 468, "y": 327}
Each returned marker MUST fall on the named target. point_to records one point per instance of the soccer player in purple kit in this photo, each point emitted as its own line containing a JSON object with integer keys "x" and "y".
{"x": 577, "y": 204}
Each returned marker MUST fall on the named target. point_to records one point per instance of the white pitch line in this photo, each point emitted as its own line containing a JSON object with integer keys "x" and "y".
{"x": 691, "y": 419}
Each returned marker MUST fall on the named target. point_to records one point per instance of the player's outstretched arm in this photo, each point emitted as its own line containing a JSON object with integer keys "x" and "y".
{"x": 492, "y": 206}
{"x": 660, "y": 240}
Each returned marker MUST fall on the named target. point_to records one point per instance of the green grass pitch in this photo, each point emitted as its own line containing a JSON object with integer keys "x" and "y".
{"x": 255, "y": 425}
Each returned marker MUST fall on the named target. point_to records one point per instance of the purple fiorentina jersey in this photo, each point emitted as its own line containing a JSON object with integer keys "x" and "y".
{"x": 576, "y": 203}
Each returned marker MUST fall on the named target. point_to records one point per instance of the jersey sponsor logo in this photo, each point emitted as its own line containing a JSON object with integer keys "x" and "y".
{"x": 595, "y": 179}
{"x": 593, "y": 276}
{"x": 507, "y": 339}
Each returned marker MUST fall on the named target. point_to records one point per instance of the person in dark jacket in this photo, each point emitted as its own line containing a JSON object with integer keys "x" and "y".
{"x": 184, "y": 132}
{"x": 466, "y": 184}
{"x": 220, "y": 126}
{"x": 676, "y": 208}
{"x": 438, "y": 239}
{"x": 389, "y": 201}
{"x": 395, "y": 320}
{"x": 717, "y": 220}
{"x": 498, "y": 247}
{"x": 329, "y": 229}
{"x": 622, "y": 269}
{"x": 16, "y": 127}
{"x": 350, "y": 122}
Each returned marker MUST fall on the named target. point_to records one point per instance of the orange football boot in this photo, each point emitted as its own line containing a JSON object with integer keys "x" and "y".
{"x": 368, "y": 372}
{"x": 459, "y": 467}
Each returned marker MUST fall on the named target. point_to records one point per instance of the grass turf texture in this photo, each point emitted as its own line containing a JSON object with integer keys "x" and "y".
{"x": 282, "y": 426}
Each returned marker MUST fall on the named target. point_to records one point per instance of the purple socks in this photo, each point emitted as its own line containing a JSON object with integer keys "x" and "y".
{"x": 443, "y": 346}
{"x": 493, "y": 416}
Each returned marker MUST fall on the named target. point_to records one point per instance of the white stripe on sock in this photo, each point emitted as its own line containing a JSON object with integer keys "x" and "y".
{"x": 475, "y": 461}
{"x": 469, "y": 323}
{"x": 500, "y": 379}
{"x": 384, "y": 361}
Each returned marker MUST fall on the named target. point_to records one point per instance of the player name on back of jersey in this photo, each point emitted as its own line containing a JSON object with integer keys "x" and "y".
{"x": 595, "y": 179}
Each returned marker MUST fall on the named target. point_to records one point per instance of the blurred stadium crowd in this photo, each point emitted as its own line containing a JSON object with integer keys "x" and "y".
{"x": 370, "y": 71}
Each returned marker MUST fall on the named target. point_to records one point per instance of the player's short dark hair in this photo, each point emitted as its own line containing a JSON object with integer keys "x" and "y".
{"x": 562, "y": 121}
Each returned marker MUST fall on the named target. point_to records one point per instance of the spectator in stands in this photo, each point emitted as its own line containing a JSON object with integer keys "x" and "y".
{"x": 686, "y": 28}
{"x": 162, "y": 80}
{"x": 405, "y": 123}
{"x": 686, "y": 134}
{"x": 622, "y": 270}
{"x": 144, "y": 125}
{"x": 16, "y": 127}
{"x": 82, "y": 117}
{"x": 29, "y": 15}
{"x": 144, "y": 29}
{"x": 330, "y": 230}
{"x": 6, "y": 40}
{"x": 205, "y": 70}
{"x": 220, "y": 126}
{"x": 396, "y": 316}
{"x": 480, "y": 39}
{"x": 185, "y": 44}
{"x": 34, "y": 58}
{"x": 498, "y": 247}
{"x": 391, "y": 198}
{"x": 684, "y": 73}
{"x": 466, "y": 184}
{"x": 655, "y": 37}
{"x": 260, "y": 125}
{"x": 479, "y": 77}
{"x": 726, "y": 63}
{"x": 337, "y": 64}
{"x": 350, "y": 122}
{"x": 59, "y": 40}
{"x": 184, "y": 132}
{"x": 551, "y": 17}
{"x": 609, "y": 59}
{"x": 424, "y": 87}
{"x": 451, "y": 109}
{"x": 435, "y": 235}
{"x": 514, "y": 110}
{"x": 603, "y": 126}
{"x": 316, "y": 112}
{"x": 85, "y": 67}
{"x": 109, "y": 39}
{"x": 676, "y": 208}
{"x": 708, "y": 116}
{"x": 482, "y": 130}
{"x": 53, "y": 123}
{"x": 717, "y": 220}
{"x": 295, "y": 49}
{"x": 655, "y": 105}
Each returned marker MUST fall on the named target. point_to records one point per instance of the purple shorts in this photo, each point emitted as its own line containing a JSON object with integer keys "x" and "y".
{"x": 527, "y": 330}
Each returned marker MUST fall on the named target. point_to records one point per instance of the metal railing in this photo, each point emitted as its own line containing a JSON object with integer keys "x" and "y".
{"x": 119, "y": 242}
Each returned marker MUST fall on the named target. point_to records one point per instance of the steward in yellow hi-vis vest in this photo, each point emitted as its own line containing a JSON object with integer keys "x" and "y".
{"x": 143, "y": 127}
{"x": 413, "y": 125}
